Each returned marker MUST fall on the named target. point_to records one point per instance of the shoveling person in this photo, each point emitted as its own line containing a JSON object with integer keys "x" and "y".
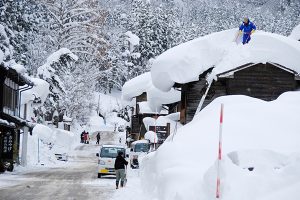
{"x": 247, "y": 28}
{"x": 120, "y": 164}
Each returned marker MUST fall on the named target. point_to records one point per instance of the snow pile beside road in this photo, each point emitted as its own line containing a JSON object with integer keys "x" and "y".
{"x": 258, "y": 134}
{"x": 45, "y": 142}
{"x": 184, "y": 63}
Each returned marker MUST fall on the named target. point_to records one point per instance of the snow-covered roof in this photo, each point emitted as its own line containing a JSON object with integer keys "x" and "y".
{"x": 140, "y": 142}
{"x": 112, "y": 145}
{"x": 295, "y": 33}
{"x": 155, "y": 97}
{"x": 145, "y": 108}
{"x": 40, "y": 90}
{"x": 6, "y": 123}
{"x": 184, "y": 63}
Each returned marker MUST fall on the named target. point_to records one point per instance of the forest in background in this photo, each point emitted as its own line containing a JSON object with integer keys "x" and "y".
{"x": 86, "y": 45}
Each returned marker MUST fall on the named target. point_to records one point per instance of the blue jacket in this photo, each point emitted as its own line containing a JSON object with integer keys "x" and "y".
{"x": 247, "y": 28}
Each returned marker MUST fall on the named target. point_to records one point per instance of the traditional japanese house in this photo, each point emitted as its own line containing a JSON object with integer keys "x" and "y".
{"x": 263, "y": 81}
{"x": 10, "y": 122}
{"x": 214, "y": 66}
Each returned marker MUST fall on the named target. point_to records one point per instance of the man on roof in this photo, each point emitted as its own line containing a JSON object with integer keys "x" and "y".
{"x": 247, "y": 28}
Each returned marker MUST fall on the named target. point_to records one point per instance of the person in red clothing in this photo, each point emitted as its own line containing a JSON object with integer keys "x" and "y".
{"x": 85, "y": 136}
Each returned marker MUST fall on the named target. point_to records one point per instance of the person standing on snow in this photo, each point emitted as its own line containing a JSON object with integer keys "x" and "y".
{"x": 120, "y": 169}
{"x": 247, "y": 28}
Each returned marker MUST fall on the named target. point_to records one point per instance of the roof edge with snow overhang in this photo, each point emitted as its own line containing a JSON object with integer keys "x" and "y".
{"x": 184, "y": 63}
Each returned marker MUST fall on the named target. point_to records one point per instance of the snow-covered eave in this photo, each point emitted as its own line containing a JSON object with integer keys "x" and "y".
{"x": 232, "y": 71}
{"x": 19, "y": 78}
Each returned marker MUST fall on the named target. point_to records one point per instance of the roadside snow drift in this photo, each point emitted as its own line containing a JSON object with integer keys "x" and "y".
{"x": 184, "y": 63}
{"x": 258, "y": 135}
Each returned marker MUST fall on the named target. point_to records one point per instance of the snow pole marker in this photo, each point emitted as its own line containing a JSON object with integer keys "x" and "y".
{"x": 219, "y": 153}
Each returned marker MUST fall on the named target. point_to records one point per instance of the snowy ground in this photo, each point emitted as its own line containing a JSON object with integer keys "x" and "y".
{"x": 75, "y": 179}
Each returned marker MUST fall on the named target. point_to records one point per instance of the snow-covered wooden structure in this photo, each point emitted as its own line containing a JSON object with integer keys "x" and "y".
{"x": 11, "y": 78}
{"x": 149, "y": 101}
{"x": 213, "y": 66}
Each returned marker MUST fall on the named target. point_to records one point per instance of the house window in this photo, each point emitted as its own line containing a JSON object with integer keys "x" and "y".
{"x": 10, "y": 97}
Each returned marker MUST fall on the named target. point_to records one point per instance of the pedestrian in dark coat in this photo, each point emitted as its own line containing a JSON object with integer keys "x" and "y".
{"x": 120, "y": 164}
{"x": 98, "y": 138}
{"x": 82, "y": 137}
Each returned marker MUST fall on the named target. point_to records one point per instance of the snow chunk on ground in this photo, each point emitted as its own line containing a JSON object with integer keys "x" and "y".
{"x": 151, "y": 136}
{"x": 184, "y": 63}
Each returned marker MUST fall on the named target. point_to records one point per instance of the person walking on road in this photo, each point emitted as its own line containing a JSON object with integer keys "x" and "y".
{"x": 120, "y": 164}
{"x": 98, "y": 138}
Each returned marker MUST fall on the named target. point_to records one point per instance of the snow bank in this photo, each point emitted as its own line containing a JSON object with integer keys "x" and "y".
{"x": 45, "y": 142}
{"x": 256, "y": 134}
{"x": 184, "y": 63}
{"x": 295, "y": 33}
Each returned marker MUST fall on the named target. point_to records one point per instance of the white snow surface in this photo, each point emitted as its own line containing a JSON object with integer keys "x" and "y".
{"x": 45, "y": 142}
{"x": 54, "y": 57}
{"x": 295, "y": 34}
{"x": 19, "y": 68}
{"x": 151, "y": 136}
{"x": 184, "y": 63}
{"x": 258, "y": 134}
{"x": 39, "y": 89}
{"x": 155, "y": 97}
{"x": 133, "y": 39}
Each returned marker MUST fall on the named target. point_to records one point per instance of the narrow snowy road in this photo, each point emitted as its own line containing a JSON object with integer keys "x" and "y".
{"x": 76, "y": 181}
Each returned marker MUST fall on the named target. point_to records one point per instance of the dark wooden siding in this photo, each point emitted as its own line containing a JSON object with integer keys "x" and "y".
{"x": 263, "y": 81}
{"x": 193, "y": 93}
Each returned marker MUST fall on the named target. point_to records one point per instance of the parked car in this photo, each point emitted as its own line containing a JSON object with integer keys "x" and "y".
{"x": 138, "y": 148}
{"x": 107, "y": 156}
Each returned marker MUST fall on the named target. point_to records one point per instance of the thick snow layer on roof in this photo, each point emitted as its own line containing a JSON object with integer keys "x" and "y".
{"x": 136, "y": 86}
{"x": 19, "y": 68}
{"x": 40, "y": 90}
{"x": 295, "y": 33}
{"x": 184, "y": 63}
{"x": 263, "y": 135}
{"x": 155, "y": 97}
{"x": 145, "y": 108}
{"x": 140, "y": 142}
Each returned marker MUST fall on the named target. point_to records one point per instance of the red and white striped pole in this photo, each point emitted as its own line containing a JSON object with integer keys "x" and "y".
{"x": 219, "y": 153}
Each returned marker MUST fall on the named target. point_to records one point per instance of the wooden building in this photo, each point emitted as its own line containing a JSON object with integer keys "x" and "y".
{"x": 10, "y": 123}
{"x": 138, "y": 128}
{"x": 262, "y": 81}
